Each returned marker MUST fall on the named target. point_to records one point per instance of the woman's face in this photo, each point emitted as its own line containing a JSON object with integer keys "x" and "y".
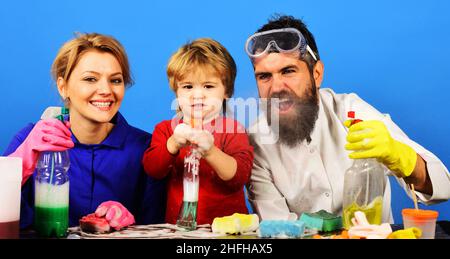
{"x": 95, "y": 88}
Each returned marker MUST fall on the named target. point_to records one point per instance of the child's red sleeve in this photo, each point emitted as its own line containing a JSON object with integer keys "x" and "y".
{"x": 238, "y": 146}
{"x": 157, "y": 160}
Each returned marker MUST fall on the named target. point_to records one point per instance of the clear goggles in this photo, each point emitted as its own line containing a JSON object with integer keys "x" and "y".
{"x": 280, "y": 40}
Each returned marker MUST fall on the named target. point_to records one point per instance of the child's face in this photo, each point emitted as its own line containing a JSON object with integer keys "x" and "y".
{"x": 200, "y": 95}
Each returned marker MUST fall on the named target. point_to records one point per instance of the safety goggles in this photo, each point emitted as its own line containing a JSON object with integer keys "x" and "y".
{"x": 281, "y": 40}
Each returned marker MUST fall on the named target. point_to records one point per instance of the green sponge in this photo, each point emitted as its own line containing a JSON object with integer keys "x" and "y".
{"x": 322, "y": 221}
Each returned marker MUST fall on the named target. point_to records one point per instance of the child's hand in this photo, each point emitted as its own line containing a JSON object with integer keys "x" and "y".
{"x": 204, "y": 140}
{"x": 180, "y": 138}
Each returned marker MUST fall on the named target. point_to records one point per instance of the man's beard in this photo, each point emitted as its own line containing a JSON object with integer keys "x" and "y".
{"x": 294, "y": 128}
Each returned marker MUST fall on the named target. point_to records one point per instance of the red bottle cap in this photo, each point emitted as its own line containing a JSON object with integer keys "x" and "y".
{"x": 351, "y": 114}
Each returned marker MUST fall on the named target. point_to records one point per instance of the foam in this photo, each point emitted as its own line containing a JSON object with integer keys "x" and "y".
{"x": 52, "y": 196}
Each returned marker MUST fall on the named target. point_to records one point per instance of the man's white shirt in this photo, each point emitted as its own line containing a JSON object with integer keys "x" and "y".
{"x": 286, "y": 182}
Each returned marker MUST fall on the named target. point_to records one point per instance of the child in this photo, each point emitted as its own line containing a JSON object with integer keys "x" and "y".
{"x": 202, "y": 76}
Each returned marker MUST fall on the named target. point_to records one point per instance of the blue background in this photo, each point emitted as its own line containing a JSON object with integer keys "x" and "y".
{"x": 394, "y": 54}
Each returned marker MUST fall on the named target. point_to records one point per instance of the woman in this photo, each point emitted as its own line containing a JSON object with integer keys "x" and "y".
{"x": 106, "y": 175}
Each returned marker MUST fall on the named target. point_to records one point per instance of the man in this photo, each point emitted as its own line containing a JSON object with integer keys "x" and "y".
{"x": 302, "y": 169}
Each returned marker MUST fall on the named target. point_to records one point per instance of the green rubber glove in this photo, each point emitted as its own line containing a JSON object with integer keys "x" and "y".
{"x": 371, "y": 139}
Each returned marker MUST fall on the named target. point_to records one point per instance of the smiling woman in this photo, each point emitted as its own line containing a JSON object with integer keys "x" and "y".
{"x": 93, "y": 94}
{"x": 106, "y": 175}
{"x": 91, "y": 73}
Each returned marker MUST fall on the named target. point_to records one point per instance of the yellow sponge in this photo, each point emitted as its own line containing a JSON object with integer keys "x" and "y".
{"x": 235, "y": 224}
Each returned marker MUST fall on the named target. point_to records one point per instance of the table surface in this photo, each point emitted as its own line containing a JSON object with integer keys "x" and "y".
{"x": 167, "y": 231}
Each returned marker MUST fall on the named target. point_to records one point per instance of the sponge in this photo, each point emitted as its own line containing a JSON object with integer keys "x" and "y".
{"x": 235, "y": 224}
{"x": 281, "y": 228}
{"x": 322, "y": 221}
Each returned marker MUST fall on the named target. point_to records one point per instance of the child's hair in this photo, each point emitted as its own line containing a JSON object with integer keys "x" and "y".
{"x": 204, "y": 53}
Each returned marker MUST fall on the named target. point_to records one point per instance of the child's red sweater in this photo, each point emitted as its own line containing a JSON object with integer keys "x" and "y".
{"x": 216, "y": 198}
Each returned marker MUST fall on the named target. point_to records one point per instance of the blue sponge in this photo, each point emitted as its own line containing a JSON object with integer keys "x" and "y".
{"x": 281, "y": 228}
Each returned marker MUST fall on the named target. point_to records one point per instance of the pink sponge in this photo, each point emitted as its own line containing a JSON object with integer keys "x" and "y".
{"x": 93, "y": 224}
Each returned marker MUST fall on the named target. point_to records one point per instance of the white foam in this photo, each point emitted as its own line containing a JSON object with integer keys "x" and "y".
{"x": 190, "y": 189}
{"x": 49, "y": 195}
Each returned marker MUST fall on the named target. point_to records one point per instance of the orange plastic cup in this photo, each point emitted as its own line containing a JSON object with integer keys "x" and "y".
{"x": 423, "y": 219}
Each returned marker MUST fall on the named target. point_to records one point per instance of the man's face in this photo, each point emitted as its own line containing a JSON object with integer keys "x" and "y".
{"x": 277, "y": 72}
{"x": 286, "y": 82}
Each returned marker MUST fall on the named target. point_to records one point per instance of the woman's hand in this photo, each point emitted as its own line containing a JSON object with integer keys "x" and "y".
{"x": 115, "y": 213}
{"x": 46, "y": 135}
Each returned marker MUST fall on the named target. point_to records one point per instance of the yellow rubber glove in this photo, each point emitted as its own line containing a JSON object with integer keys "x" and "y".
{"x": 371, "y": 139}
{"x": 407, "y": 233}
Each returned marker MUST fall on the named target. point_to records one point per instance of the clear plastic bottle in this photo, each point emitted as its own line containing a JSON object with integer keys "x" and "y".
{"x": 363, "y": 189}
{"x": 187, "y": 217}
{"x": 51, "y": 206}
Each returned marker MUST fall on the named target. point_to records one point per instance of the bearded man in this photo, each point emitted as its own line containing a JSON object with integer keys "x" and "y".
{"x": 301, "y": 167}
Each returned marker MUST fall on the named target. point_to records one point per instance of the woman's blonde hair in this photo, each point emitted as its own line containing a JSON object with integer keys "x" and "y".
{"x": 69, "y": 54}
{"x": 202, "y": 53}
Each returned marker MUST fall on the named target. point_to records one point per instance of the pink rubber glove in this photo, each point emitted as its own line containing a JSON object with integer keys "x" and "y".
{"x": 46, "y": 135}
{"x": 116, "y": 214}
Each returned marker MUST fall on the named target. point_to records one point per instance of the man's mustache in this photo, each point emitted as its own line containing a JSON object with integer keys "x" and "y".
{"x": 283, "y": 94}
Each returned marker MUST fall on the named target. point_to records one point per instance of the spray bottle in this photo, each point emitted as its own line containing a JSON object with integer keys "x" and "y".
{"x": 51, "y": 206}
{"x": 363, "y": 188}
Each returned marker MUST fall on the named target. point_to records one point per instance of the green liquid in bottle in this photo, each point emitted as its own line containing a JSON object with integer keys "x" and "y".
{"x": 373, "y": 212}
{"x": 188, "y": 215}
{"x": 51, "y": 222}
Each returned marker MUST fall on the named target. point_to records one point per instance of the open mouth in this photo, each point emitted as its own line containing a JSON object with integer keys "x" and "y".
{"x": 102, "y": 105}
{"x": 198, "y": 106}
{"x": 285, "y": 104}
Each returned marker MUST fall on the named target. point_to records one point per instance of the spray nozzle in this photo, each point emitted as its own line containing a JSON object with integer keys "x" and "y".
{"x": 64, "y": 111}
{"x": 351, "y": 115}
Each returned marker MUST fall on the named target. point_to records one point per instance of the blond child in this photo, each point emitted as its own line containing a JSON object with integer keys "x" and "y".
{"x": 201, "y": 74}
